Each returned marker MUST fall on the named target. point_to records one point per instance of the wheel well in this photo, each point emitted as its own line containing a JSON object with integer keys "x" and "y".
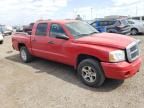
{"x": 20, "y": 45}
{"x": 134, "y": 28}
{"x": 81, "y": 57}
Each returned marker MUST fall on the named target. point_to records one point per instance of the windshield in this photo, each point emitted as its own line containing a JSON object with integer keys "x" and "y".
{"x": 80, "y": 29}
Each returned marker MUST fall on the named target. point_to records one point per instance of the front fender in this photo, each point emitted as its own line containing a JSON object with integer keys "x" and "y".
{"x": 99, "y": 52}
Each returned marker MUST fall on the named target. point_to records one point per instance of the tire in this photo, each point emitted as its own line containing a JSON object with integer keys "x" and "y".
{"x": 134, "y": 31}
{"x": 1, "y": 42}
{"x": 25, "y": 55}
{"x": 91, "y": 73}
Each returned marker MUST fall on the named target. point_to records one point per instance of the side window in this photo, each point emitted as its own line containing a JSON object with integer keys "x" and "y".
{"x": 143, "y": 18}
{"x": 111, "y": 22}
{"x": 41, "y": 29}
{"x": 103, "y": 23}
{"x": 130, "y": 22}
{"x": 56, "y": 29}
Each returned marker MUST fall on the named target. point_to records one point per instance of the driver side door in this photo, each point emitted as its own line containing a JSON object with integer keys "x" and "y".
{"x": 58, "y": 46}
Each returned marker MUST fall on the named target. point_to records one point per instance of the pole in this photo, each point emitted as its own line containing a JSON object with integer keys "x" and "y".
{"x": 91, "y": 13}
{"x": 136, "y": 10}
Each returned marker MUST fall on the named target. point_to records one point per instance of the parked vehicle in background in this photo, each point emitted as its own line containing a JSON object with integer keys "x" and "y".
{"x": 1, "y": 29}
{"x": 94, "y": 55}
{"x": 1, "y": 38}
{"x": 7, "y": 30}
{"x": 28, "y": 28}
{"x": 18, "y": 28}
{"x": 139, "y": 18}
{"x": 136, "y": 26}
{"x": 78, "y": 18}
{"x": 112, "y": 25}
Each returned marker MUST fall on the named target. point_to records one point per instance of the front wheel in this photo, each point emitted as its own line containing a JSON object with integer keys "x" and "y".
{"x": 91, "y": 73}
{"x": 25, "y": 55}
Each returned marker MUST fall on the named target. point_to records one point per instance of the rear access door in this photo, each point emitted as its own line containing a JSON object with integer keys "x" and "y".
{"x": 39, "y": 40}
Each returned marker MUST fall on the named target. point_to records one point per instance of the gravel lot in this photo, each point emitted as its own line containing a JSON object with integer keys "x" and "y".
{"x": 46, "y": 84}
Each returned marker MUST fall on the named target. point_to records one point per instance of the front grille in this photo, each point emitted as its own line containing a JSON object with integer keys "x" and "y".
{"x": 132, "y": 51}
{"x": 133, "y": 48}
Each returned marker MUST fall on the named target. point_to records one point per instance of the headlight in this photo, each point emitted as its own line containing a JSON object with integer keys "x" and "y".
{"x": 117, "y": 56}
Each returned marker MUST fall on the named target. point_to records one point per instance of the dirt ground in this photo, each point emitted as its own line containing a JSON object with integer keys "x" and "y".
{"x": 46, "y": 84}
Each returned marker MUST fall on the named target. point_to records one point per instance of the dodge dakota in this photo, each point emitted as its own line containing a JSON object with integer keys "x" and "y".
{"x": 95, "y": 56}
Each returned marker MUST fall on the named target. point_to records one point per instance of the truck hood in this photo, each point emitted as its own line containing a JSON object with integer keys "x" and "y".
{"x": 107, "y": 39}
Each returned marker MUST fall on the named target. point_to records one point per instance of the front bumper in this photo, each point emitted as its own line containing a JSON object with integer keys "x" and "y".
{"x": 121, "y": 70}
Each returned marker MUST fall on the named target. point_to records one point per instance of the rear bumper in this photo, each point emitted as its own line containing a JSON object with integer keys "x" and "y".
{"x": 121, "y": 70}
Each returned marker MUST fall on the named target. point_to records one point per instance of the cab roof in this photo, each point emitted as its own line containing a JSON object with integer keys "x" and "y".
{"x": 57, "y": 21}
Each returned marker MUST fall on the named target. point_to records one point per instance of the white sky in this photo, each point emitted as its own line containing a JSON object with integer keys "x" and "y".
{"x": 26, "y": 11}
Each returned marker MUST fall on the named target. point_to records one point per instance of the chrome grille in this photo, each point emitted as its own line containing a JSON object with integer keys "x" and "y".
{"x": 132, "y": 51}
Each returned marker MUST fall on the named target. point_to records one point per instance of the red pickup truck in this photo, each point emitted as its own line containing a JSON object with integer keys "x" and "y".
{"x": 94, "y": 55}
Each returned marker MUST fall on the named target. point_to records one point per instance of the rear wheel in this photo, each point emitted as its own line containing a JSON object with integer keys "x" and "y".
{"x": 91, "y": 73}
{"x": 25, "y": 55}
{"x": 134, "y": 31}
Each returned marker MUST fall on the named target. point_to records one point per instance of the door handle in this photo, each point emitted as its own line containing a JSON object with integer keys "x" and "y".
{"x": 51, "y": 42}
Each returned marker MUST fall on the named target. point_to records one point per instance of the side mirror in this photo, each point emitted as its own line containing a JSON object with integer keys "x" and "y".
{"x": 62, "y": 36}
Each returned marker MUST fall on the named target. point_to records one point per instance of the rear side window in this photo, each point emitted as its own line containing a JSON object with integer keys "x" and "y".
{"x": 41, "y": 29}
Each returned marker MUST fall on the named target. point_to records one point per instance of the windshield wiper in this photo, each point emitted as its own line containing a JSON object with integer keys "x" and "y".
{"x": 82, "y": 34}
{"x": 87, "y": 34}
